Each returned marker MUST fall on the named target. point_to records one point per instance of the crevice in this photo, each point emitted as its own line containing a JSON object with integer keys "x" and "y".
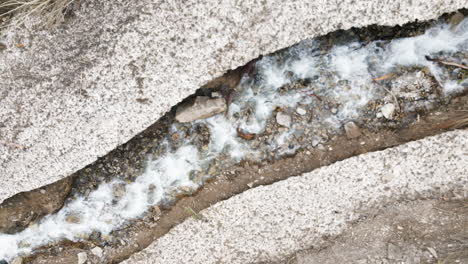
{"x": 428, "y": 113}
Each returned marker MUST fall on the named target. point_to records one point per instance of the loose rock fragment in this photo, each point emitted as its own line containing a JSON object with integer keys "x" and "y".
{"x": 202, "y": 107}
{"x": 82, "y": 257}
{"x": 118, "y": 190}
{"x": 97, "y": 251}
{"x": 352, "y": 130}
{"x": 283, "y": 119}
{"x": 72, "y": 219}
{"x": 301, "y": 111}
{"x": 17, "y": 260}
{"x": 388, "y": 110}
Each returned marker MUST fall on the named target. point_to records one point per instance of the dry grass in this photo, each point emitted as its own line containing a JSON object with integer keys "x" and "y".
{"x": 51, "y": 11}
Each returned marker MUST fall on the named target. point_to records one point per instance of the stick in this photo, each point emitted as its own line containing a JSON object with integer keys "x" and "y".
{"x": 447, "y": 62}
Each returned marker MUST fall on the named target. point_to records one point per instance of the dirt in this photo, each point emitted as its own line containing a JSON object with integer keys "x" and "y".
{"x": 19, "y": 211}
{"x": 421, "y": 231}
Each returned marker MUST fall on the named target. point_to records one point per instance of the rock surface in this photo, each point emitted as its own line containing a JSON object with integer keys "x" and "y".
{"x": 352, "y": 130}
{"x": 388, "y": 111}
{"x": 82, "y": 257}
{"x": 201, "y": 108}
{"x": 70, "y": 95}
{"x": 283, "y": 119}
{"x": 268, "y": 223}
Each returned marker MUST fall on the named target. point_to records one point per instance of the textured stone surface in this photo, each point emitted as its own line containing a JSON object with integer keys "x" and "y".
{"x": 202, "y": 107}
{"x": 72, "y": 94}
{"x": 270, "y": 222}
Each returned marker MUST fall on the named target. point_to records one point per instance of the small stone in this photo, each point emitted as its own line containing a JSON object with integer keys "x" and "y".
{"x": 334, "y": 110}
{"x": 379, "y": 115}
{"x": 433, "y": 252}
{"x": 156, "y": 212}
{"x": 201, "y": 108}
{"x": 388, "y": 110}
{"x": 301, "y": 111}
{"x": 352, "y": 130}
{"x": 118, "y": 190}
{"x": 97, "y": 251}
{"x": 82, "y": 257}
{"x": 72, "y": 219}
{"x": 283, "y": 119}
{"x": 18, "y": 260}
{"x": 216, "y": 95}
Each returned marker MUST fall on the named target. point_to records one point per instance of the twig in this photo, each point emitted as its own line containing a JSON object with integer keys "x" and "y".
{"x": 386, "y": 76}
{"x": 11, "y": 144}
{"x": 390, "y": 92}
{"x": 447, "y": 62}
{"x": 195, "y": 214}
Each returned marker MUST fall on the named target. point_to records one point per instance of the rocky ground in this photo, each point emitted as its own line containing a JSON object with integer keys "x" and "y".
{"x": 425, "y": 231}
{"x": 414, "y": 108}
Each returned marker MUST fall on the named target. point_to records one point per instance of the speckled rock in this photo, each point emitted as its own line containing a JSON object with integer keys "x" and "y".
{"x": 70, "y": 95}
{"x": 268, "y": 223}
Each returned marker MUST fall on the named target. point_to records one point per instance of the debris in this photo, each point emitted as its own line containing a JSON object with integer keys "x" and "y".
{"x": 245, "y": 135}
{"x": 82, "y": 257}
{"x": 97, "y": 251}
{"x": 447, "y": 62}
{"x": 201, "y": 108}
{"x": 386, "y": 76}
{"x": 283, "y": 119}
{"x": 388, "y": 110}
{"x": 352, "y": 130}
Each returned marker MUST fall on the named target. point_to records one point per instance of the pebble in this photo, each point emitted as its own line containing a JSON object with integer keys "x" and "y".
{"x": 352, "y": 130}
{"x": 388, "y": 110}
{"x": 72, "y": 219}
{"x": 283, "y": 119}
{"x": 82, "y": 257}
{"x": 301, "y": 111}
{"x": 118, "y": 190}
{"x": 334, "y": 110}
{"x": 97, "y": 251}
